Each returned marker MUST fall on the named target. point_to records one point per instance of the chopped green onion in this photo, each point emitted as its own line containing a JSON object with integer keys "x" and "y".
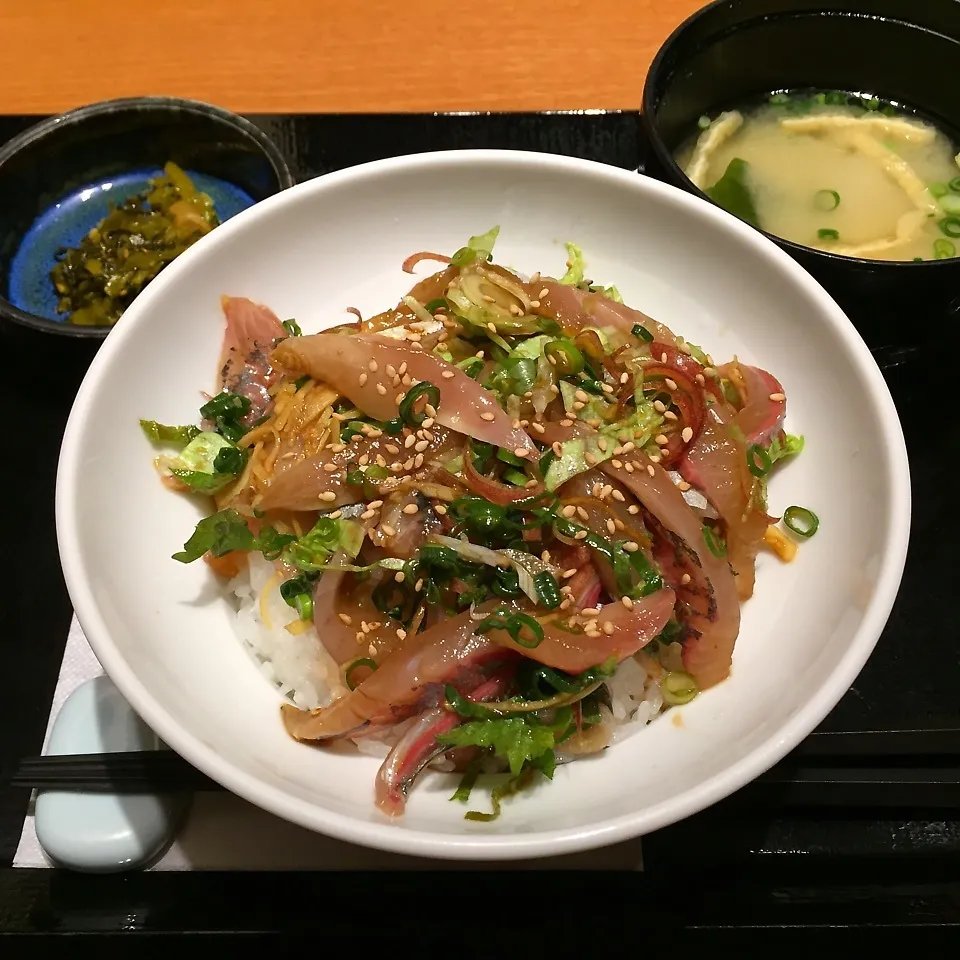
{"x": 678, "y": 688}
{"x": 523, "y": 629}
{"x": 439, "y": 304}
{"x": 516, "y": 477}
{"x": 943, "y": 249}
{"x": 565, "y": 357}
{"x": 642, "y": 332}
{"x": 508, "y": 457}
{"x": 390, "y": 598}
{"x": 950, "y": 226}
{"x": 758, "y": 460}
{"x": 230, "y": 460}
{"x": 803, "y": 522}
{"x": 715, "y": 544}
{"x": 226, "y": 410}
{"x": 300, "y": 381}
{"x": 292, "y": 328}
{"x": 950, "y": 204}
{"x": 954, "y": 184}
{"x": 471, "y": 366}
{"x": 362, "y": 662}
{"x": 779, "y": 99}
{"x": 826, "y": 200}
{"x": 938, "y": 190}
{"x": 547, "y": 589}
{"x": 431, "y": 396}
{"x": 827, "y": 234}
{"x": 918, "y": 260}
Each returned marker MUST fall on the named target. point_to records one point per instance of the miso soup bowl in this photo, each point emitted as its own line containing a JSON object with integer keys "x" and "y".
{"x": 736, "y": 50}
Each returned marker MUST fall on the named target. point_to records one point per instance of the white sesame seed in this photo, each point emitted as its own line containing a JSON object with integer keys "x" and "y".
{"x": 336, "y": 515}
{"x": 631, "y": 546}
{"x": 363, "y": 379}
{"x": 372, "y": 366}
{"x": 663, "y": 358}
{"x": 368, "y": 514}
{"x": 521, "y": 452}
{"x": 686, "y": 435}
{"x": 659, "y": 406}
{"x": 448, "y": 374}
{"x": 544, "y": 292}
{"x": 410, "y": 441}
{"x": 602, "y": 444}
{"x": 392, "y": 448}
{"x": 699, "y": 378}
{"x": 777, "y": 397}
{"x": 633, "y": 509}
{"x": 539, "y": 427}
{"x": 655, "y": 457}
{"x": 391, "y": 370}
{"x": 611, "y": 526}
{"x": 650, "y": 470}
{"x": 624, "y": 377}
{"x": 580, "y": 535}
{"x": 492, "y": 327}
{"x": 670, "y": 384}
{"x": 683, "y": 485}
{"x": 408, "y": 464}
{"x": 629, "y": 446}
{"x": 606, "y": 388}
{"x": 568, "y": 511}
{"x": 345, "y": 618}
{"x": 410, "y": 509}
{"x": 607, "y": 627}
{"x": 554, "y": 389}
{"x": 329, "y": 496}
{"x": 364, "y": 626}
{"x": 685, "y": 348}
{"x": 618, "y": 496}
{"x": 439, "y": 508}
{"x": 360, "y": 636}
{"x": 418, "y": 461}
{"x": 381, "y": 389}
{"x": 685, "y": 579}
{"x": 618, "y": 464}
{"x": 337, "y": 448}
{"x": 388, "y": 530}
{"x": 567, "y": 574}
{"x": 582, "y": 514}
{"x": 428, "y": 423}
{"x": 375, "y": 504}
{"x": 629, "y": 467}
{"x": 709, "y": 372}
{"x": 582, "y": 396}
{"x": 401, "y": 633}
{"x": 566, "y": 423}
{"x": 330, "y": 467}
{"x": 364, "y": 460}
{"x": 590, "y": 458}
{"x": 487, "y": 416}
{"x": 418, "y": 586}
{"x": 669, "y": 415}
{"x": 661, "y": 440}
{"x": 534, "y": 304}
{"x": 430, "y": 410}
{"x": 421, "y": 446}
{"x": 627, "y": 602}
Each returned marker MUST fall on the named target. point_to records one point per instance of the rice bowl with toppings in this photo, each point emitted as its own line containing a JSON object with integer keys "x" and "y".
{"x": 578, "y": 561}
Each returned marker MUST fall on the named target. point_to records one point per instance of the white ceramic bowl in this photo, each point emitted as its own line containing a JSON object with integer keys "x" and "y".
{"x": 164, "y": 636}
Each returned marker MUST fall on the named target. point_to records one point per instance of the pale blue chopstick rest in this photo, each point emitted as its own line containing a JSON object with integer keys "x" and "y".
{"x": 102, "y": 832}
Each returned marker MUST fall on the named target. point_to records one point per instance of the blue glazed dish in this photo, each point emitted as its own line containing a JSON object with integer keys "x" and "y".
{"x": 59, "y": 178}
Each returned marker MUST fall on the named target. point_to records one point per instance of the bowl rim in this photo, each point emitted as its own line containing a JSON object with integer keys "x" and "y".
{"x": 49, "y": 126}
{"x": 673, "y": 169}
{"x": 383, "y": 835}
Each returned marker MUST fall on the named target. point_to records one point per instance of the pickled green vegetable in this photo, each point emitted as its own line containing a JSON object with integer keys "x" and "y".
{"x": 97, "y": 280}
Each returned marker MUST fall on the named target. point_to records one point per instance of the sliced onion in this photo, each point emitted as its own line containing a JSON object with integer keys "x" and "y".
{"x": 513, "y": 288}
{"x": 526, "y": 565}
{"x": 499, "y": 493}
{"x": 355, "y": 312}
{"x": 415, "y": 258}
{"x": 694, "y": 498}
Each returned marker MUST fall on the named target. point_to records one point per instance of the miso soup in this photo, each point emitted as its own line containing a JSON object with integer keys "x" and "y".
{"x": 837, "y": 172}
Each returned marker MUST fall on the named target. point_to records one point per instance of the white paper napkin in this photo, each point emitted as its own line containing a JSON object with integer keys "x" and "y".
{"x": 223, "y": 832}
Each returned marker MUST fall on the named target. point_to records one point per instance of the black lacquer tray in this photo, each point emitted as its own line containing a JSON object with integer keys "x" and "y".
{"x": 820, "y": 873}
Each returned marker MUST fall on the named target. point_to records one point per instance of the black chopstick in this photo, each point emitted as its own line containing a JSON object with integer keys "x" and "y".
{"x": 865, "y": 769}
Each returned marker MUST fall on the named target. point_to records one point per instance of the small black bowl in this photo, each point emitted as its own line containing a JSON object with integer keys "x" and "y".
{"x": 734, "y": 51}
{"x": 112, "y": 147}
